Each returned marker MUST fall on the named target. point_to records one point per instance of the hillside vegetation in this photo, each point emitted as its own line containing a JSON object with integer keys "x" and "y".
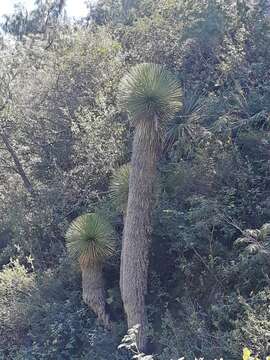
{"x": 67, "y": 124}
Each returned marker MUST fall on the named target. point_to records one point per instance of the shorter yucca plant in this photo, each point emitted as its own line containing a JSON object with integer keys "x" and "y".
{"x": 90, "y": 240}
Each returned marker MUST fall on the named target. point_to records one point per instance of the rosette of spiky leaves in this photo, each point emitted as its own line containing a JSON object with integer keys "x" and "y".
{"x": 119, "y": 186}
{"x": 90, "y": 239}
{"x": 149, "y": 92}
{"x": 255, "y": 241}
{"x": 265, "y": 232}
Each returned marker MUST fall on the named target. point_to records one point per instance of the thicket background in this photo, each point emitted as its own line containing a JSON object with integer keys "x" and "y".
{"x": 62, "y": 135}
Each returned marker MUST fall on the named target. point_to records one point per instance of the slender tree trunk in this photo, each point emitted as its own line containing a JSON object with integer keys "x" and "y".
{"x": 18, "y": 165}
{"x": 137, "y": 229}
{"x": 94, "y": 292}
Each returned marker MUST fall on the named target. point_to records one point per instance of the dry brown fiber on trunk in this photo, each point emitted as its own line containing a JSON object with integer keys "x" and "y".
{"x": 94, "y": 292}
{"x": 137, "y": 229}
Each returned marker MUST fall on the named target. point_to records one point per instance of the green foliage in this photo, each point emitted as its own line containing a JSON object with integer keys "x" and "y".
{"x": 209, "y": 276}
{"x": 119, "y": 185}
{"x": 42, "y": 317}
{"x": 21, "y": 22}
{"x": 149, "y": 91}
{"x": 16, "y": 285}
{"x": 90, "y": 239}
{"x": 255, "y": 241}
{"x": 252, "y": 326}
{"x": 189, "y": 335}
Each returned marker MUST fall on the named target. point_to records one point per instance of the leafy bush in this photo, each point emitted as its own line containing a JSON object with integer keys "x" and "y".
{"x": 42, "y": 317}
{"x": 16, "y": 286}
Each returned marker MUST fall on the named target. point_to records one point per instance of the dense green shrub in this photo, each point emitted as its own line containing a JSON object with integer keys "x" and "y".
{"x": 42, "y": 317}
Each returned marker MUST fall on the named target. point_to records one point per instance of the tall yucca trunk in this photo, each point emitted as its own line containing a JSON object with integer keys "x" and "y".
{"x": 93, "y": 291}
{"x": 137, "y": 228}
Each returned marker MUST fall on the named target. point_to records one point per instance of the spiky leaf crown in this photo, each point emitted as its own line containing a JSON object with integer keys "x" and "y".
{"x": 149, "y": 91}
{"x": 119, "y": 186}
{"x": 90, "y": 238}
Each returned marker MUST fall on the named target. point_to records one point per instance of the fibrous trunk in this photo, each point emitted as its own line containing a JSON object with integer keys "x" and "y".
{"x": 137, "y": 228}
{"x": 94, "y": 292}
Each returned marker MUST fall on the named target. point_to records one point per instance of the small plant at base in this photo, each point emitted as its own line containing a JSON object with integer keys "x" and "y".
{"x": 247, "y": 355}
{"x": 129, "y": 342}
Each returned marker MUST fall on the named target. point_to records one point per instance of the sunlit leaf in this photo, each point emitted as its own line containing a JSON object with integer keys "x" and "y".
{"x": 246, "y": 354}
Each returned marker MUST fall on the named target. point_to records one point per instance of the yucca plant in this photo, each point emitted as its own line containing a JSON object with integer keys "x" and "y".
{"x": 119, "y": 188}
{"x": 151, "y": 95}
{"x": 90, "y": 240}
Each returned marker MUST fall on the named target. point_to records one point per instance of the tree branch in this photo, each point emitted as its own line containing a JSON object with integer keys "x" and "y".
{"x": 18, "y": 165}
